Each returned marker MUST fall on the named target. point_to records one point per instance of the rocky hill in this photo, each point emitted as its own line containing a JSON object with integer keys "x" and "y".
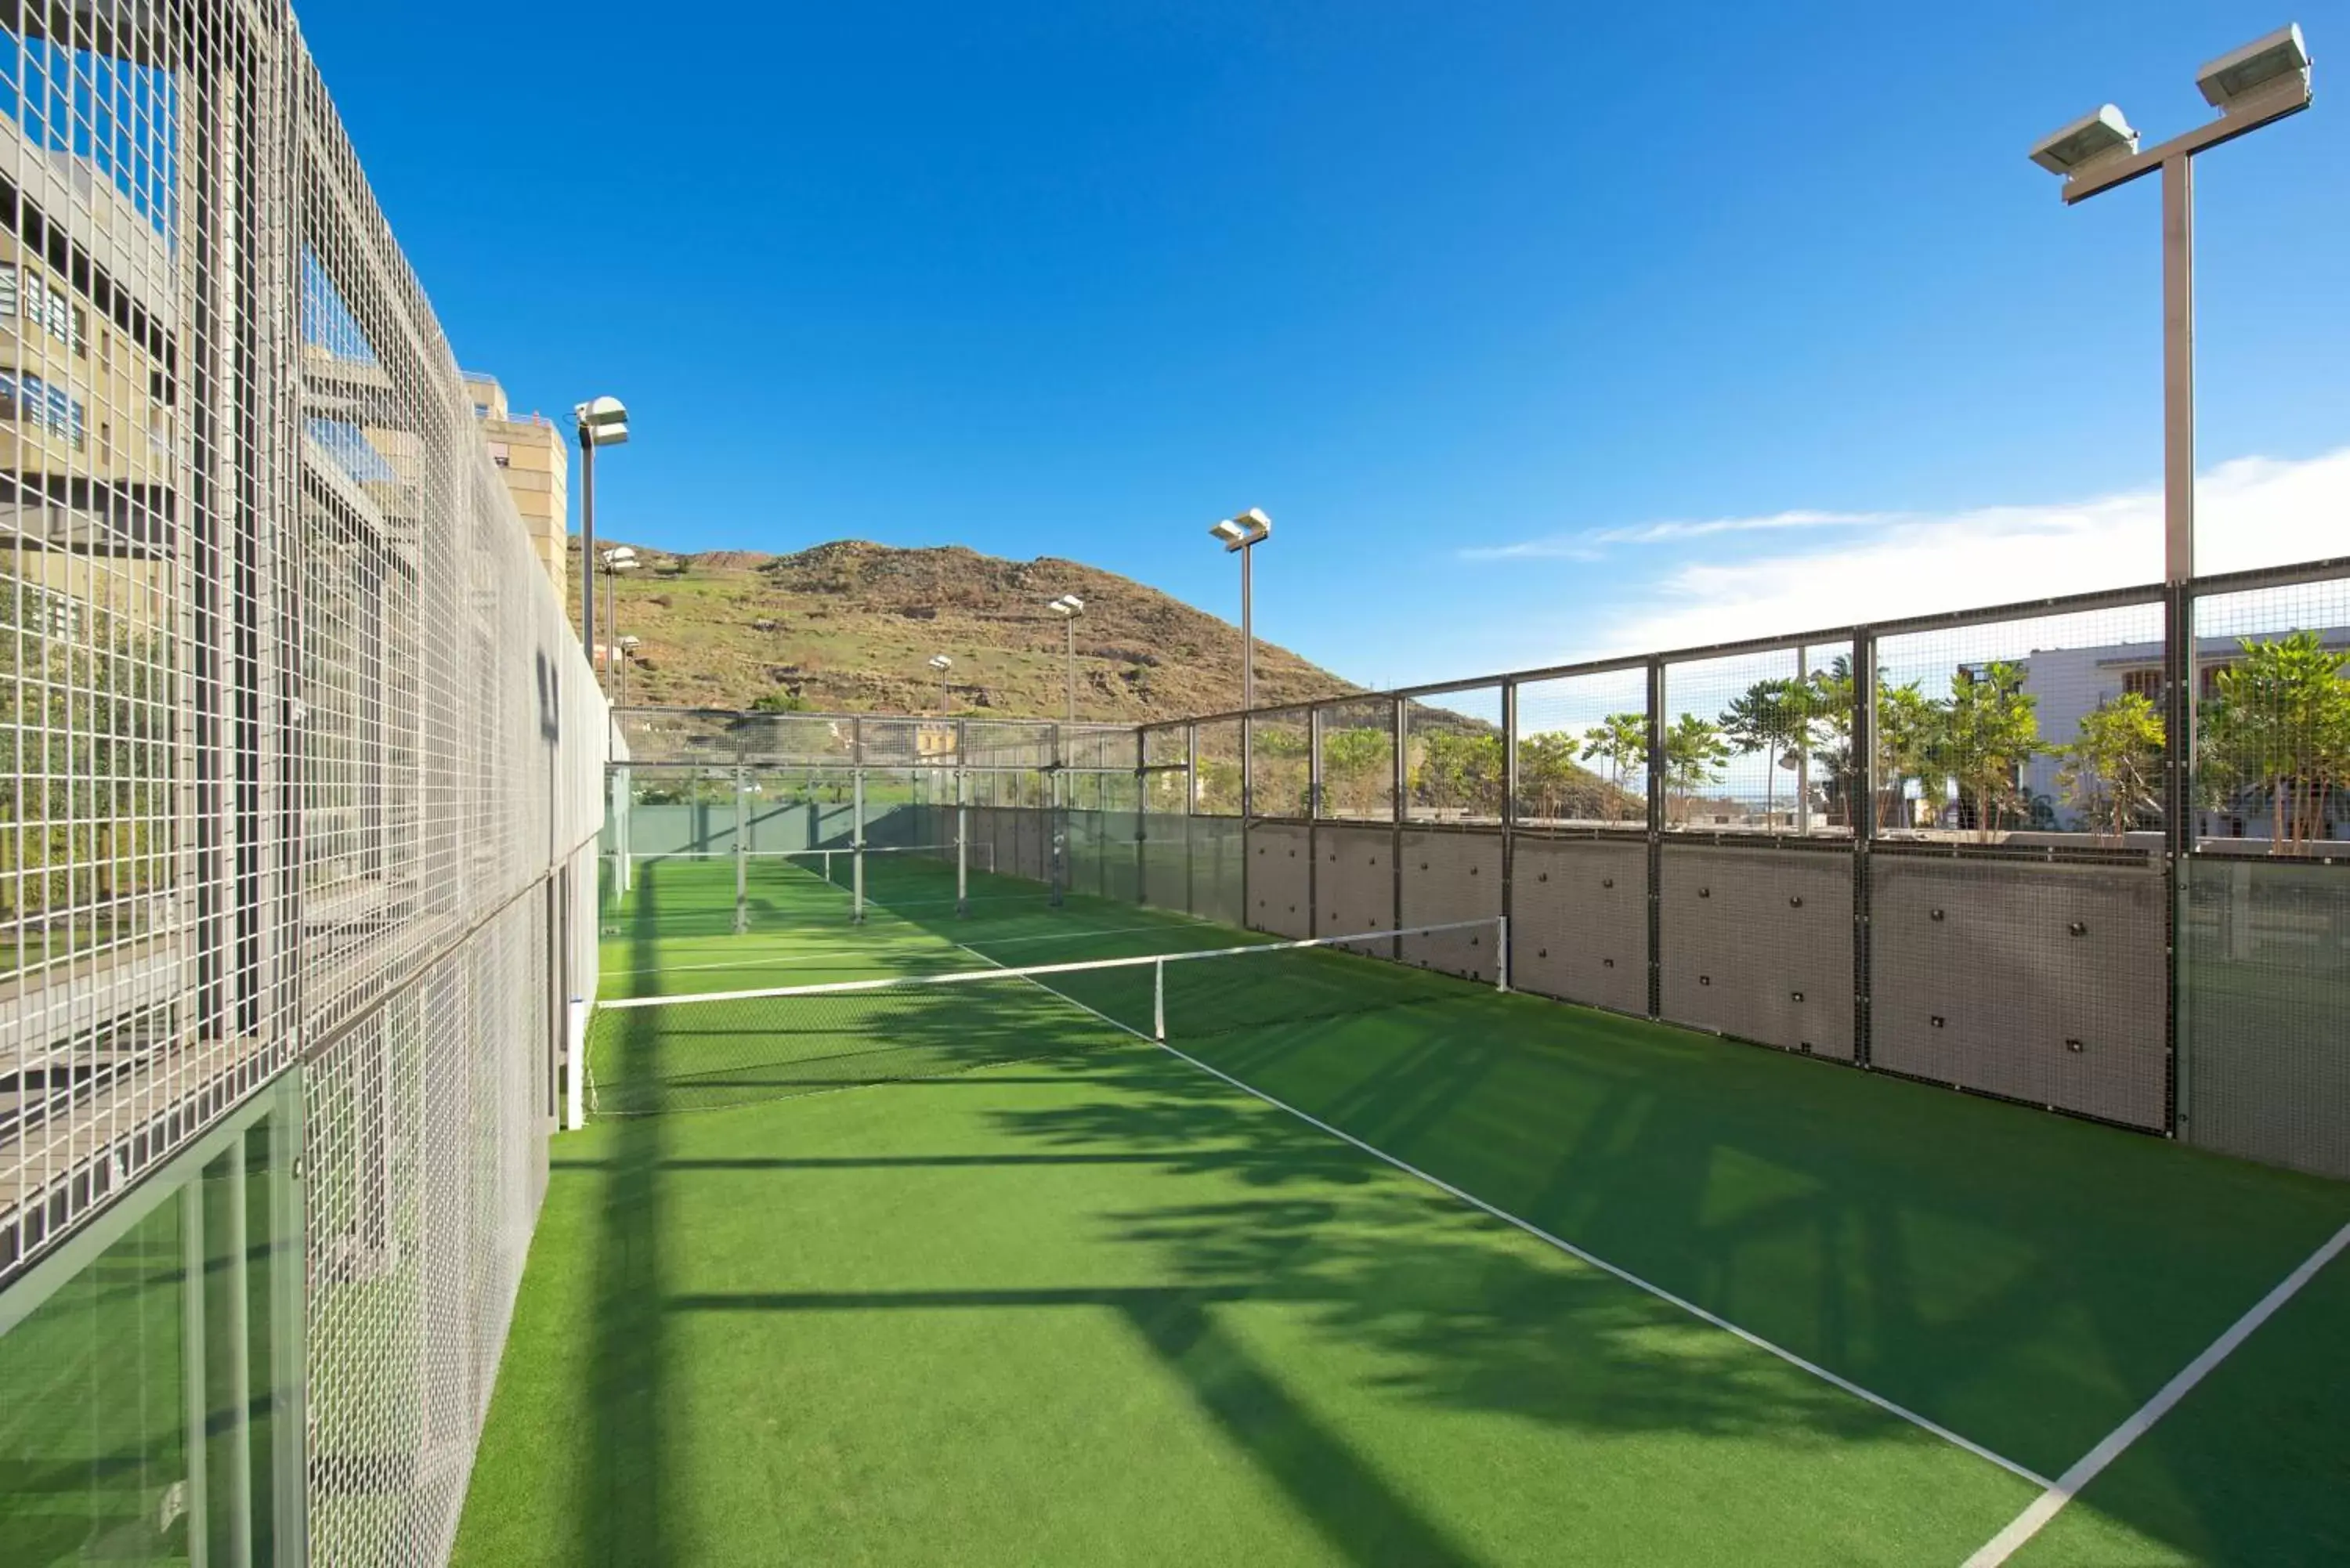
{"x": 853, "y": 626}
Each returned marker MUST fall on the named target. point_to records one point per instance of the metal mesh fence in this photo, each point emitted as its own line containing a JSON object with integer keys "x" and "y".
{"x": 1357, "y": 760}
{"x": 1583, "y": 750}
{"x": 301, "y": 759}
{"x": 1454, "y": 757}
{"x": 1760, "y": 742}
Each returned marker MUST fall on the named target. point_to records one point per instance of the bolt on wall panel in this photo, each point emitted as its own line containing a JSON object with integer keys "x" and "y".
{"x": 1758, "y": 943}
{"x": 1579, "y": 920}
{"x": 1355, "y": 879}
{"x": 1450, "y": 877}
{"x": 1281, "y": 865}
{"x": 2041, "y": 982}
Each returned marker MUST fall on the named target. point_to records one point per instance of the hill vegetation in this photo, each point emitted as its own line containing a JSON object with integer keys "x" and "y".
{"x": 851, "y": 626}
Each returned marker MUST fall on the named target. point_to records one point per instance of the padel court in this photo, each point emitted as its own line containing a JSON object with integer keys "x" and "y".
{"x": 1309, "y": 1256}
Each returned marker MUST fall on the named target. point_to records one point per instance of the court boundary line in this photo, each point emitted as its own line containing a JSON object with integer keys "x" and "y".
{"x": 2089, "y": 1466}
{"x": 1835, "y": 1380}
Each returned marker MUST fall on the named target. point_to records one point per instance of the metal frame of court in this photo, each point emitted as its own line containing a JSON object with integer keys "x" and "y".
{"x": 2127, "y": 978}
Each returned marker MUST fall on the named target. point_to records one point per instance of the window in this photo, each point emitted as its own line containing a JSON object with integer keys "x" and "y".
{"x": 32, "y": 297}
{"x": 2146, "y": 683}
{"x": 106, "y": 445}
{"x": 500, "y": 453}
{"x": 29, "y": 400}
{"x": 481, "y": 410}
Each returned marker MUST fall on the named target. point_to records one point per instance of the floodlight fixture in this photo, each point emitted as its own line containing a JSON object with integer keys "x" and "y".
{"x": 1240, "y": 531}
{"x": 940, "y": 662}
{"x": 2088, "y": 143}
{"x": 603, "y": 422}
{"x": 2249, "y": 78}
{"x": 1067, "y": 605}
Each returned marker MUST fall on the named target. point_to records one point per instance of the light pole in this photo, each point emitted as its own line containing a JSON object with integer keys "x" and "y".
{"x": 1068, "y": 606}
{"x": 942, "y": 663}
{"x": 602, "y": 422}
{"x": 619, "y": 560}
{"x": 628, "y": 650}
{"x": 2265, "y": 80}
{"x": 1244, "y": 532}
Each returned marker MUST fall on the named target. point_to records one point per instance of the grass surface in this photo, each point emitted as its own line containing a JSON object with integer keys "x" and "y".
{"x": 1099, "y": 1306}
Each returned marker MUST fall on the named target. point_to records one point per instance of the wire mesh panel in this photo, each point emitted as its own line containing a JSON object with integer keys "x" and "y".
{"x": 1280, "y": 760}
{"x": 1758, "y": 943}
{"x": 1353, "y": 878}
{"x": 1279, "y": 879}
{"x": 2264, "y": 987}
{"x": 1760, "y": 742}
{"x": 1213, "y": 859}
{"x": 1583, "y": 750}
{"x": 1453, "y": 756}
{"x": 1217, "y": 781}
{"x": 2273, "y": 718}
{"x": 2038, "y": 725}
{"x": 1448, "y": 877}
{"x": 1579, "y": 920}
{"x": 2039, "y": 981}
{"x": 1357, "y": 760}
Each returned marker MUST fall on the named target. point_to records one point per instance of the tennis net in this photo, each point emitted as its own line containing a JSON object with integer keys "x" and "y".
{"x": 651, "y": 1055}
{"x": 706, "y": 891}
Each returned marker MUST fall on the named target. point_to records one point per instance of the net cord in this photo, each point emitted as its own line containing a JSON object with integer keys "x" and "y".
{"x": 965, "y": 976}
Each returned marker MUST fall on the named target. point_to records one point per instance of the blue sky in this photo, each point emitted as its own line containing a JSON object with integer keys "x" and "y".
{"x": 1540, "y": 332}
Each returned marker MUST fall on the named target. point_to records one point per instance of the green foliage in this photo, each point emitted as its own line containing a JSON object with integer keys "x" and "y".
{"x": 1695, "y": 754}
{"x": 1620, "y": 741}
{"x": 2113, "y": 769}
{"x": 1357, "y": 770}
{"x": 2279, "y": 724}
{"x": 1460, "y": 771}
{"x": 1982, "y": 738}
{"x": 1554, "y": 786}
{"x": 1772, "y": 717}
{"x": 780, "y": 702}
{"x": 1908, "y": 724}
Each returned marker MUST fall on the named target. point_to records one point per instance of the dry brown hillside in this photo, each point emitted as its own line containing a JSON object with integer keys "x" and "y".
{"x": 852, "y": 626}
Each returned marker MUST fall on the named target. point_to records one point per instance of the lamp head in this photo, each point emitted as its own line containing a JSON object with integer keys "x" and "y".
{"x": 1240, "y": 532}
{"x": 2276, "y": 65}
{"x": 602, "y": 421}
{"x": 2087, "y": 143}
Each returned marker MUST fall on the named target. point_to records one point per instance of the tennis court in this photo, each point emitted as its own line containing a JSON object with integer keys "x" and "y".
{"x": 1367, "y": 1264}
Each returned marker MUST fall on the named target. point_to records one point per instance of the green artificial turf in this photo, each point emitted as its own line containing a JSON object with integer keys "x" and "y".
{"x": 1099, "y": 1306}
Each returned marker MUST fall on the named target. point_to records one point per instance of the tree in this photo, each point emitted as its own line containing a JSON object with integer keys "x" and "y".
{"x": 1984, "y": 735}
{"x": 1358, "y": 770}
{"x": 1695, "y": 754}
{"x": 1621, "y": 741}
{"x": 779, "y": 703}
{"x": 1771, "y": 717}
{"x": 1461, "y": 770}
{"x": 1556, "y": 785}
{"x": 2279, "y": 723}
{"x": 2113, "y": 768}
{"x": 1907, "y": 728}
{"x": 1827, "y": 735}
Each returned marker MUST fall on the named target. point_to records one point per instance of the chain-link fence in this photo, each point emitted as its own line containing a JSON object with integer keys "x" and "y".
{"x": 296, "y": 817}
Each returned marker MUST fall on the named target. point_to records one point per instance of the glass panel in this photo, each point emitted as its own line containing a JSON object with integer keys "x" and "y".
{"x": 2273, "y": 718}
{"x": 1582, "y": 750}
{"x": 1761, "y": 742}
{"x": 1454, "y": 760}
{"x": 1358, "y": 759}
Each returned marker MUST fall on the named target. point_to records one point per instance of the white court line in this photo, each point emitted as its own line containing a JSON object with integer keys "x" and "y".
{"x": 1570, "y": 1248}
{"x": 2044, "y": 1506}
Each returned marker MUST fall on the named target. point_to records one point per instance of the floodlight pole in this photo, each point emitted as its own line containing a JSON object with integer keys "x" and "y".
{"x": 587, "y": 543}
{"x": 1071, "y": 628}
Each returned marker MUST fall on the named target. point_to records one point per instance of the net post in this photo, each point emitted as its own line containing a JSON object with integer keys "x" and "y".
{"x": 856, "y": 846}
{"x": 574, "y": 1066}
{"x": 1158, "y": 1001}
{"x": 962, "y": 824}
{"x": 1502, "y": 954}
{"x": 742, "y": 854}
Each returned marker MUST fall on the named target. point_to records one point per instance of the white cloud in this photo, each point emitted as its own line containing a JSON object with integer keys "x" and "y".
{"x": 2251, "y": 512}
{"x": 1589, "y": 545}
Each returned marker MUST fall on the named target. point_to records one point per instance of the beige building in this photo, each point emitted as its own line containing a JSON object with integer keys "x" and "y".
{"x": 530, "y": 455}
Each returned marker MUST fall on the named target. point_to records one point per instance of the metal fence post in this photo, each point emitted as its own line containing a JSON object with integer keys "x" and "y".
{"x": 856, "y": 846}
{"x": 1656, "y": 803}
{"x": 963, "y": 821}
{"x": 1509, "y": 819}
{"x": 1313, "y": 821}
{"x": 1399, "y": 812}
{"x": 1860, "y": 808}
{"x": 2179, "y": 677}
{"x": 742, "y": 854}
